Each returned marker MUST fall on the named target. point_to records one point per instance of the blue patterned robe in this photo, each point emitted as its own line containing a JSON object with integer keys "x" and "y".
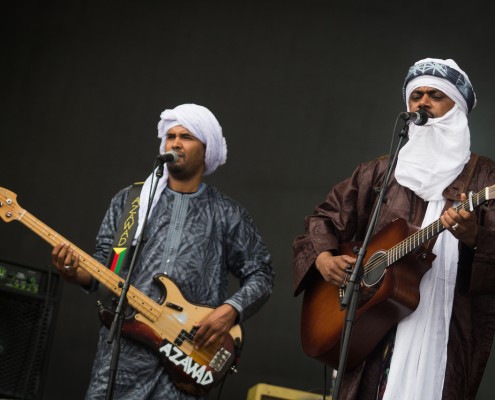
{"x": 197, "y": 239}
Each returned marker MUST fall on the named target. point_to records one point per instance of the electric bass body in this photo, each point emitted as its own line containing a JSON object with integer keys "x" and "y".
{"x": 171, "y": 336}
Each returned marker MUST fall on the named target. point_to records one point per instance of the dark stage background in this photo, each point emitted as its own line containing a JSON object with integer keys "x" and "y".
{"x": 304, "y": 90}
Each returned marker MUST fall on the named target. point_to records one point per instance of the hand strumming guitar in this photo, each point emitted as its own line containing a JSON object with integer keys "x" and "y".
{"x": 334, "y": 269}
{"x": 215, "y": 326}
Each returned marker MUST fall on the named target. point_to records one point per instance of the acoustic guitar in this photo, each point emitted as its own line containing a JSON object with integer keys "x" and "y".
{"x": 167, "y": 327}
{"x": 394, "y": 265}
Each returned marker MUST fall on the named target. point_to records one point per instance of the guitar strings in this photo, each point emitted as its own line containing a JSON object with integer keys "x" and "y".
{"x": 97, "y": 270}
{"x": 396, "y": 253}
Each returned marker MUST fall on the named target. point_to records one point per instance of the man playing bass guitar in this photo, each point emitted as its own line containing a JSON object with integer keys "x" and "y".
{"x": 196, "y": 236}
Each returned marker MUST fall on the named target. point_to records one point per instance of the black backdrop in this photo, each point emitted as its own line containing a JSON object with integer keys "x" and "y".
{"x": 303, "y": 89}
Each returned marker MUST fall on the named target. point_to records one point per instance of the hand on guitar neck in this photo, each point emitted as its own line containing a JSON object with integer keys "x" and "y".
{"x": 463, "y": 224}
{"x": 67, "y": 265}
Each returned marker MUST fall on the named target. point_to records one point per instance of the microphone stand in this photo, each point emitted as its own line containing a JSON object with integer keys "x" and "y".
{"x": 115, "y": 331}
{"x": 351, "y": 296}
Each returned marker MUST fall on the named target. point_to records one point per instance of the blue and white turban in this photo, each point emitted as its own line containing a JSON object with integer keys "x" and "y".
{"x": 444, "y": 75}
{"x": 202, "y": 124}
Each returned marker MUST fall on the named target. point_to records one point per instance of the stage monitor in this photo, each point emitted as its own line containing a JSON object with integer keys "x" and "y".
{"x": 263, "y": 391}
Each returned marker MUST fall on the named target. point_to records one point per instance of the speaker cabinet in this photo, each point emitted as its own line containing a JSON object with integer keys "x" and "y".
{"x": 262, "y": 391}
{"x": 29, "y": 299}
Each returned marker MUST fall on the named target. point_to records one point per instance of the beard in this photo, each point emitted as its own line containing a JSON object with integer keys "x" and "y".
{"x": 181, "y": 172}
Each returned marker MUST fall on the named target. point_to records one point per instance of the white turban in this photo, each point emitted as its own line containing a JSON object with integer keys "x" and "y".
{"x": 203, "y": 125}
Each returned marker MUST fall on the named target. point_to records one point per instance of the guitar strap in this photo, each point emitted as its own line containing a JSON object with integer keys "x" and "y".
{"x": 451, "y": 193}
{"x": 126, "y": 230}
{"x": 121, "y": 247}
{"x": 460, "y": 185}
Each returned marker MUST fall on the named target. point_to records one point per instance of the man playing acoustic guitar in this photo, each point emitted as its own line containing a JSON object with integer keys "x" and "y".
{"x": 439, "y": 343}
{"x": 195, "y": 236}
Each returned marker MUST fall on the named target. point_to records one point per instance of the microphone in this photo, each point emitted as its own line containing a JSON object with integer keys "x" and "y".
{"x": 168, "y": 157}
{"x": 419, "y": 117}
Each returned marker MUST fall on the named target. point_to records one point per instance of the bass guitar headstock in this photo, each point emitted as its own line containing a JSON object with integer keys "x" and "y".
{"x": 9, "y": 209}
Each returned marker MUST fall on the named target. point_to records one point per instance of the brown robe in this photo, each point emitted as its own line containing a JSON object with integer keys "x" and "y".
{"x": 343, "y": 217}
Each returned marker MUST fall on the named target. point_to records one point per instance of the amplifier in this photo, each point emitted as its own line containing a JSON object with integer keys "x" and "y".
{"x": 29, "y": 298}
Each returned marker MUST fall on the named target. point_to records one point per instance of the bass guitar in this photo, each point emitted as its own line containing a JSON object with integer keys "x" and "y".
{"x": 394, "y": 265}
{"x": 167, "y": 327}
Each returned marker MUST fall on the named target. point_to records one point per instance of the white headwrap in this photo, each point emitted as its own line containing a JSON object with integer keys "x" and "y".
{"x": 202, "y": 124}
{"x": 436, "y": 152}
{"x": 433, "y": 157}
